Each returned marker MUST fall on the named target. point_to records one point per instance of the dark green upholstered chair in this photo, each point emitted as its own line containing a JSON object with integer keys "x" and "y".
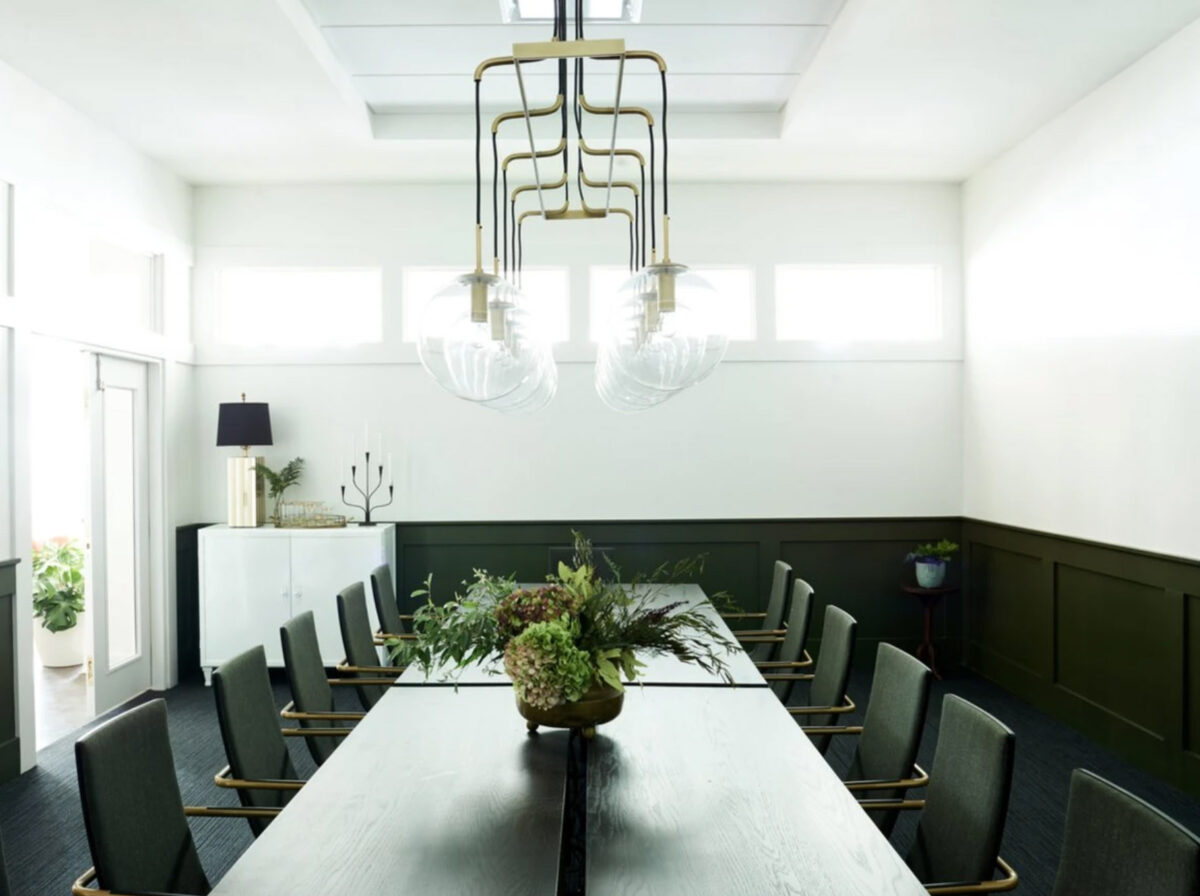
{"x": 391, "y": 623}
{"x": 132, "y": 809}
{"x": 885, "y": 758}
{"x": 827, "y": 692}
{"x": 957, "y": 845}
{"x": 762, "y": 643}
{"x": 259, "y": 768}
{"x": 1119, "y": 845}
{"x": 312, "y": 692}
{"x": 5, "y": 889}
{"x": 362, "y": 657}
{"x": 792, "y": 654}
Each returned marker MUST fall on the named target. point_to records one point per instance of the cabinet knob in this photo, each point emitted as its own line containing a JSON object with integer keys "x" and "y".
{"x": 283, "y": 592}
{"x": 298, "y": 594}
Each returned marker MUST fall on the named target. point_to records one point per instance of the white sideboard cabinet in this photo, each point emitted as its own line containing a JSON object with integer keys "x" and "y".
{"x": 254, "y": 580}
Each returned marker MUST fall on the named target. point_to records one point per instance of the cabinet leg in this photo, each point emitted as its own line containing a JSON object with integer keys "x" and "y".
{"x": 208, "y": 671}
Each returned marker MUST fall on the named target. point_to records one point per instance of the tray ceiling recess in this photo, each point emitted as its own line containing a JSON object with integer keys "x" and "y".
{"x": 733, "y": 66}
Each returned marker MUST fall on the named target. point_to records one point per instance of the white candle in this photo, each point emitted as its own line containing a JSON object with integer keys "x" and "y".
{"x": 342, "y": 468}
{"x": 366, "y": 439}
{"x": 391, "y": 471}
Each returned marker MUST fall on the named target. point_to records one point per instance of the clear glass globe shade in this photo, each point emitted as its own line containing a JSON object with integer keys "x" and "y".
{"x": 479, "y": 360}
{"x": 533, "y": 394}
{"x": 620, "y": 391}
{"x": 668, "y": 347}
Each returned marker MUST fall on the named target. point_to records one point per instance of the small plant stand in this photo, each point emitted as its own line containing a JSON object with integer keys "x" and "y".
{"x": 930, "y": 598}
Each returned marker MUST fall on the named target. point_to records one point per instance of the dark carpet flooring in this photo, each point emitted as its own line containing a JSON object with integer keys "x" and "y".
{"x": 46, "y": 846}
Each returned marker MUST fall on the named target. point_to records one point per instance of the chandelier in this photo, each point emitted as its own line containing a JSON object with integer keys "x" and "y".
{"x": 665, "y": 332}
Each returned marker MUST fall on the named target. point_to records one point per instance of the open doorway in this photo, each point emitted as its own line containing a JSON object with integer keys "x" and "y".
{"x": 59, "y": 491}
{"x": 89, "y": 490}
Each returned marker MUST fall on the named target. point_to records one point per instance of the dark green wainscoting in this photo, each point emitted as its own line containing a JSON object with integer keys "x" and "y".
{"x": 10, "y": 744}
{"x": 854, "y": 563}
{"x": 1104, "y": 638}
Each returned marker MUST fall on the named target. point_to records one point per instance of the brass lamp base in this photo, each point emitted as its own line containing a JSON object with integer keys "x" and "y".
{"x": 246, "y": 502}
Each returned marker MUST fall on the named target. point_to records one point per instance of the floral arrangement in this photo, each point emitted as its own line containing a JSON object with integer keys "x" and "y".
{"x": 574, "y": 633}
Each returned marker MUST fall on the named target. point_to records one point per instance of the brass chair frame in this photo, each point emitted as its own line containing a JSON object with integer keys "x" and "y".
{"x": 847, "y": 706}
{"x": 1000, "y": 885}
{"x": 81, "y": 885}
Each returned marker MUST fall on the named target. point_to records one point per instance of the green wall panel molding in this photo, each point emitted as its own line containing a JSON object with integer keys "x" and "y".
{"x": 1102, "y": 637}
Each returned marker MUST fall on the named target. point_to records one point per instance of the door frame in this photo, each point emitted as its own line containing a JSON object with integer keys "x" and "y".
{"x": 162, "y": 624}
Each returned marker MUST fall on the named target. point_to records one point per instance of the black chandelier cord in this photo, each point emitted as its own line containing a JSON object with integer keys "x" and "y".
{"x": 663, "y": 75}
{"x": 495, "y": 180}
{"x": 478, "y": 165}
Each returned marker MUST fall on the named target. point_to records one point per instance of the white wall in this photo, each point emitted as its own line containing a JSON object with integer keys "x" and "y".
{"x": 760, "y": 438}
{"x": 1082, "y": 375}
{"x": 51, "y": 153}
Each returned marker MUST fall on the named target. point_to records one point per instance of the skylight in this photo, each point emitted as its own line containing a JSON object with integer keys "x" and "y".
{"x": 518, "y": 11}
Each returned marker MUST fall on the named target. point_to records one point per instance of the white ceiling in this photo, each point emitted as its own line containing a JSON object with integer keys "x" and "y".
{"x": 294, "y": 90}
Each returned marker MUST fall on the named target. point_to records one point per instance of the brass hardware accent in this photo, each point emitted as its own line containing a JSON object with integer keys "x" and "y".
{"x": 588, "y": 182}
{"x": 848, "y": 706}
{"x": 568, "y": 49}
{"x": 743, "y": 615}
{"x": 91, "y": 670}
{"x": 919, "y": 779}
{"x": 223, "y": 779}
{"x": 492, "y": 63}
{"x": 592, "y": 151}
{"x": 526, "y": 188}
{"x": 647, "y": 54}
{"x": 533, "y": 113}
{"x": 541, "y": 154}
{"x": 831, "y": 729}
{"x": 386, "y": 682}
{"x": 787, "y": 664}
{"x": 395, "y": 671}
{"x": 289, "y": 711}
{"x": 1008, "y": 882}
{"x": 609, "y": 110}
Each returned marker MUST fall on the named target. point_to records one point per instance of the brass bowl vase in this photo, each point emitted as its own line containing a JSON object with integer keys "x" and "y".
{"x": 599, "y": 704}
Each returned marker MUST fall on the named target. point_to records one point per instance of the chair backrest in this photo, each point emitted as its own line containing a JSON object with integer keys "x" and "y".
{"x": 359, "y": 640}
{"x": 249, "y": 723}
{"x": 892, "y": 725}
{"x": 781, "y": 583}
{"x": 792, "y": 648}
{"x": 306, "y": 676}
{"x": 385, "y": 601}
{"x": 958, "y": 836}
{"x": 5, "y": 889}
{"x": 132, "y": 809}
{"x": 833, "y": 669}
{"x": 1117, "y": 844}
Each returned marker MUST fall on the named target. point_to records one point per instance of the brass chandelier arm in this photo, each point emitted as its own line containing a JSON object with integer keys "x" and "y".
{"x": 533, "y": 113}
{"x": 541, "y": 154}
{"x": 609, "y": 110}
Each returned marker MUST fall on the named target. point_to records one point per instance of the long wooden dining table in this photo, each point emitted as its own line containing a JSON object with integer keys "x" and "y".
{"x": 698, "y": 787}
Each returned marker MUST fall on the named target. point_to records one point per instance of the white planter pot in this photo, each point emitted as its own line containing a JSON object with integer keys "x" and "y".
{"x": 57, "y": 649}
{"x": 931, "y": 573}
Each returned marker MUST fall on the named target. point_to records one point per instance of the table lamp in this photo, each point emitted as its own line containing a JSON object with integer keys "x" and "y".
{"x": 244, "y": 423}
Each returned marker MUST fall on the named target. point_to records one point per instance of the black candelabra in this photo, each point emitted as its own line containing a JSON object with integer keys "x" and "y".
{"x": 366, "y": 490}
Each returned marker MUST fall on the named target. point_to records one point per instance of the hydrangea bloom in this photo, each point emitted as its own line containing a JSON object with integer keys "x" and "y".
{"x": 545, "y": 666}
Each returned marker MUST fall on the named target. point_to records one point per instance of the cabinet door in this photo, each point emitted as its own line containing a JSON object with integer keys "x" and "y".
{"x": 324, "y": 565}
{"x": 245, "y": 591}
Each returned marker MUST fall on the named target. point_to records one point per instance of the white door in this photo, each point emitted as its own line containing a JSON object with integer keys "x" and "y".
{"x": 120, "y": 539}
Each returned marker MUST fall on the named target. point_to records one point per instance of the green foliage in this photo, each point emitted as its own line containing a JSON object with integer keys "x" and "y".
{"x": 545, "y": 665}
{"x": 609, "y": 624}
{"x": 942, "y": 550}
{"x": 58, "y": 584}
{"x": 278, "y": 483}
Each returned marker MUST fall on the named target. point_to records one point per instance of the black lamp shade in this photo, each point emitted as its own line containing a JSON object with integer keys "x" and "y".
{"x": 244, "y": 423}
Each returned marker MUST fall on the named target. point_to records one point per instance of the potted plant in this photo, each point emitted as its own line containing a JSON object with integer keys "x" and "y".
{"x": 58, "y": 601}
{"x": 930, "y": 562}
{"x": 568, "y": 645}
{"x": 280, "y": 482}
